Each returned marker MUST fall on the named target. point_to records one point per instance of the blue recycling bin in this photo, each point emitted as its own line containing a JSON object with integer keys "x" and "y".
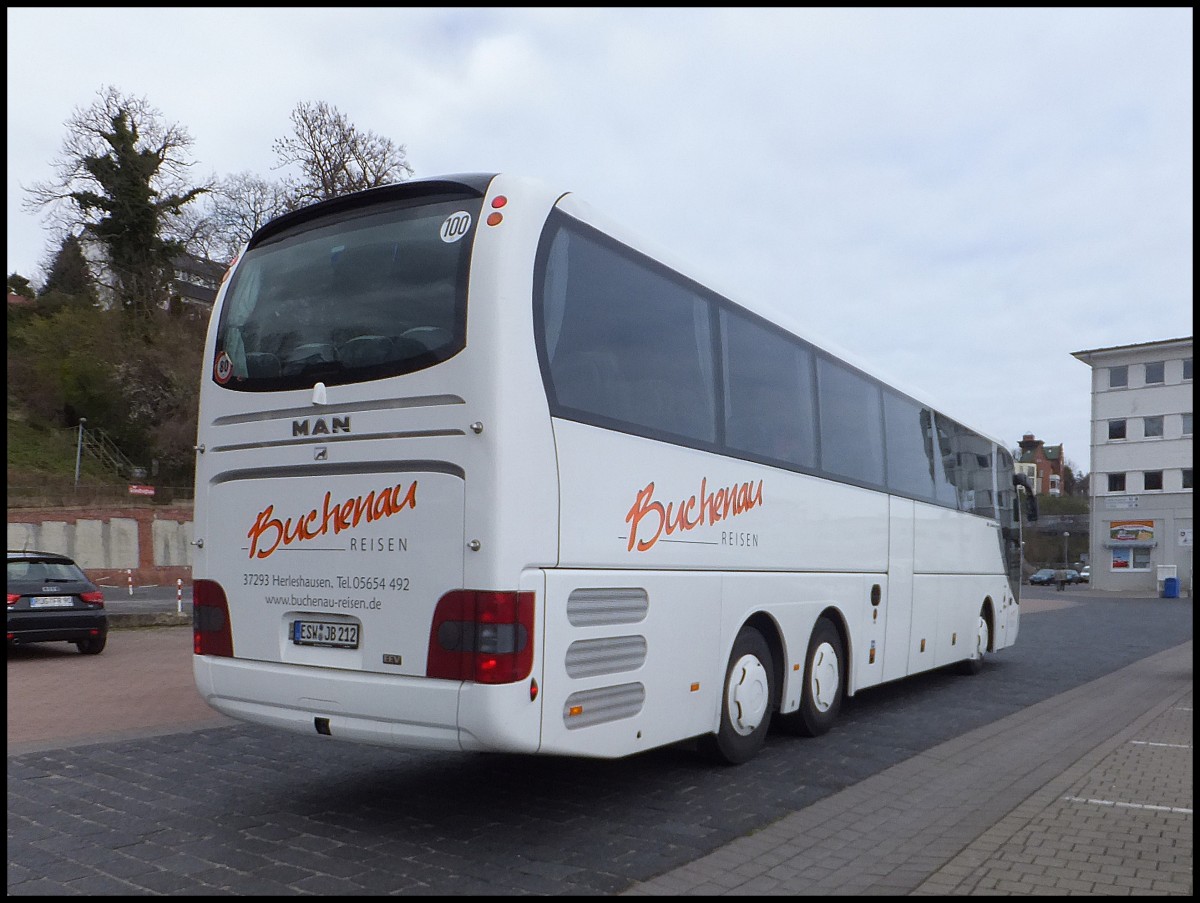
{"x": 1171, "y": 588}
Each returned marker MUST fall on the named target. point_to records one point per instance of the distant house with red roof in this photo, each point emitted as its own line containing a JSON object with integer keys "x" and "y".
{"x": 1043, "y": 464}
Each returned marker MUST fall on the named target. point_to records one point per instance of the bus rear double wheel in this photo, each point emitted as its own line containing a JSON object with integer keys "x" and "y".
{"x": 824, "y": 683}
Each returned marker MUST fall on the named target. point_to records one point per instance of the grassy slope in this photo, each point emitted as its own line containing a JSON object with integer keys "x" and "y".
{"x": 45, "y": 458}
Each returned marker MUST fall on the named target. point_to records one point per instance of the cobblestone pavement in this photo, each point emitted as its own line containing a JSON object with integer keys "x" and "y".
{"x": 1123, "y": 823}
{"x": 1039, "y": 775}
{"x": 1089, "y": 792}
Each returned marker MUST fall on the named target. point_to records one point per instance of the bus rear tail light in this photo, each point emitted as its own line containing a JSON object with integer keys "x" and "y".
{"x": 211, "y": 631}
{"x": 482, "y": 636}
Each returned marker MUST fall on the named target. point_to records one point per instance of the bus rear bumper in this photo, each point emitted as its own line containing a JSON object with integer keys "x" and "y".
{"x": 380, "y": 709}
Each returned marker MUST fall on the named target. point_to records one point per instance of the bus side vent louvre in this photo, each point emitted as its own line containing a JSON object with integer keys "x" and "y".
{"x": 603, "y": 705}
{"x": 603, "y": 607}
{"x": 607, "y": 655}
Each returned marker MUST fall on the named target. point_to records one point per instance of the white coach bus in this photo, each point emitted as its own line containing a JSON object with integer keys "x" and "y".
{"x": 478, "y": 470}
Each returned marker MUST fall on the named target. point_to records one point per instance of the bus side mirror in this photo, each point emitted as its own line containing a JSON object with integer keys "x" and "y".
{"x": 1021, "y": 481}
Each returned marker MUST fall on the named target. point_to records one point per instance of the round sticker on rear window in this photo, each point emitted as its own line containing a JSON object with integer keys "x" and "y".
{"x": 223, "y": 368}
{"x": 455, "y": 226}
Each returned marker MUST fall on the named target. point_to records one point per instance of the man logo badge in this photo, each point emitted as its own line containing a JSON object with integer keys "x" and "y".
{"x": 321, "y": 454}
{"x": 320, "y": 426}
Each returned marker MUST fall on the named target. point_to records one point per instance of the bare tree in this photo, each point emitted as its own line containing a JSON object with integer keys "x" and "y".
{"x": 237, "y": 206}
{"x": 335, "y": 157}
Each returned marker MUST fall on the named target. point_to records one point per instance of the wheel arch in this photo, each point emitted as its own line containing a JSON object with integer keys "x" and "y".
{"x": 769, "y": 628}
{"x": 989, "y": 615}
{"x": 838, "y": 619}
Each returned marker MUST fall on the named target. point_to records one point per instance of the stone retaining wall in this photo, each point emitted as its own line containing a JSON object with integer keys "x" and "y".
{"x": 150, "y": 545}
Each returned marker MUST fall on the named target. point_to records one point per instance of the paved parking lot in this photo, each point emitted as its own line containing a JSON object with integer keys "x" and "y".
{"x": 938, "y": 784}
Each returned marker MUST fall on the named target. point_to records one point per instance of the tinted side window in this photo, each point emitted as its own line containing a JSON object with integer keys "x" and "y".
{"x": 769, "y": 392}
{"x": 945, "y": 463}
{"x": 851, "y": 423}
{"x": 974, "y": 471}
{"x": 908, "y": 427}
{"x": 624, "y": 342}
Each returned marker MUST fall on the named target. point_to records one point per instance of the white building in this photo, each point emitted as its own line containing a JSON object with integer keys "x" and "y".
{"x": 1141, "y": 465}
{"x": 194, "y": 284}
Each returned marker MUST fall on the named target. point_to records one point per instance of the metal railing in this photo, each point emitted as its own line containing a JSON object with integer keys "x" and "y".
{"x": 97, "y": 444}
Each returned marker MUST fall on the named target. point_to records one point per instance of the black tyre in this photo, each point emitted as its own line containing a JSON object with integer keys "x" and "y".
{"x": 824, "y": 683}
{"x": 747, "y": 698}
{"x": 92, "y": 645}
{"x": 983, "y": 638}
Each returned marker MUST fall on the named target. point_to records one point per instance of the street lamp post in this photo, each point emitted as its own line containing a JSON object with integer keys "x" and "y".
{"x": 1066, "y": 536}
{"x": 79, "y": 451}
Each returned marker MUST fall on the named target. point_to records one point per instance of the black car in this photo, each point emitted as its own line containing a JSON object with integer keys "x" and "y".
{"x": 50, "y": 598}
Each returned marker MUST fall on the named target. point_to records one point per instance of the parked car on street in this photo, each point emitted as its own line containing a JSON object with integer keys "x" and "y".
{"x": 50, "y": 599}
{"x": 1049, "y": 576}
{"x": 1085, "y": 575}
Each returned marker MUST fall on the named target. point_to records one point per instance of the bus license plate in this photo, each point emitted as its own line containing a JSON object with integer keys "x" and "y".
{"x": 325, "y": 633}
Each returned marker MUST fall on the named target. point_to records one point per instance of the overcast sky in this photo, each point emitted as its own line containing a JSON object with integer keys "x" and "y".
{"x": 959, "y": 198}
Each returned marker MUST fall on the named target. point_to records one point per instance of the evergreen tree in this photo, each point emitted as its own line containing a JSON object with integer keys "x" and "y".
{"x": 69, "y": 274}
{"x": 19, "y": 285}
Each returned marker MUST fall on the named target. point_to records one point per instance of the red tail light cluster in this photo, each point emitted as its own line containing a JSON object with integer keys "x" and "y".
{"x": 211, "y": 632}
{"x": 482, "y": 636}
{"x": 93, "y": 598}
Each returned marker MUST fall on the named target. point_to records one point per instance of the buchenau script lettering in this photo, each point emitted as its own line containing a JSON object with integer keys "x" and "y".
{"x": 269, "y": 532}
{"x": 653, "y": 520}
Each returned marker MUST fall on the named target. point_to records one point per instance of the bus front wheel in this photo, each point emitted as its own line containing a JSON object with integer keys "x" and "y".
{"x": 824, "y": 683}
{"x": 983, "y": 636}
{"x": 746, "y": 701}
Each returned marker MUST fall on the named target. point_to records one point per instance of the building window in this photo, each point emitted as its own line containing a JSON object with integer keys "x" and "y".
{"x": 1055, "y": 488}
{"x": 1116, "y": 429}
{"x": 1154, "y": 373}
{"x": 1152, "y": 427}
{"x": 1187, "y": 478}
{"x": 1136, "y": 559}
{"x": 1187, "y": 368}
{"x": 1187, "y": 423}
{"x": 1116, "y": 482}
{"x": 1118, "y": 377}
{"x": 1152, "y": 480}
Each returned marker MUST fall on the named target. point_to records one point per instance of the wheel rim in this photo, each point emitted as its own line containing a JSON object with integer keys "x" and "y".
{"x": 747, "y": 695}
{"x": 981, "y": 638}
{"x": 825, "y": 677}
